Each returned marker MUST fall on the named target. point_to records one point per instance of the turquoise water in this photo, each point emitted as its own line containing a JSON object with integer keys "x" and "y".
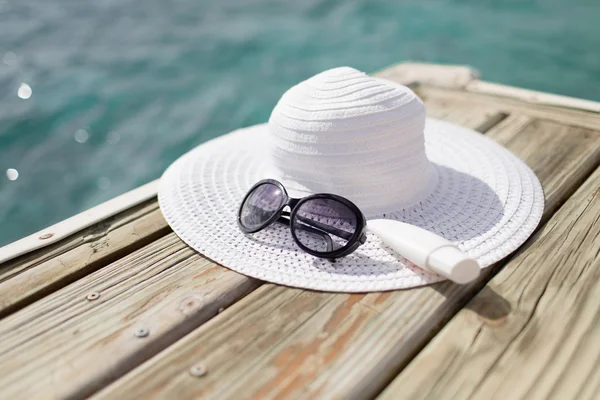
{"x": 120, "y": 88}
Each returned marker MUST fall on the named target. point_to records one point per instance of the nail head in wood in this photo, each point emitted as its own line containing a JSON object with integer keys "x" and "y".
{"x": 142, "y": 332}
{"x": 198, "y": 370}
{"x": 92, "y": 296}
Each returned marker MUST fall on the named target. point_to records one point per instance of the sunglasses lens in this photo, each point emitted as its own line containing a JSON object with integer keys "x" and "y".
{"x": 261, "y": 205}
{"x": 324, "y": 225}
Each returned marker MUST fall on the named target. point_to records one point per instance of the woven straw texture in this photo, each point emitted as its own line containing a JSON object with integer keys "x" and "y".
{"x": 469, "y": 190}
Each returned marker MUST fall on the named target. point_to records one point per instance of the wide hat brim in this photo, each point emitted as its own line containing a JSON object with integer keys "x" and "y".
{"x": 486, "y": 200}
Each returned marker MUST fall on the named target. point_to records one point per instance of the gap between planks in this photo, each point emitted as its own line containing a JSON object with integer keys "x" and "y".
{"x": 67, "y": 346}
{"x": 344, "y": 345}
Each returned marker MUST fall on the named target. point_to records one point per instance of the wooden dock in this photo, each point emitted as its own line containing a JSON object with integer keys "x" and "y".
{"x": 124, "y": 309}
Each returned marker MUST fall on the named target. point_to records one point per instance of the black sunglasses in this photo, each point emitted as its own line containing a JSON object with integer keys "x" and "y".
{"x": 324, "y": 225}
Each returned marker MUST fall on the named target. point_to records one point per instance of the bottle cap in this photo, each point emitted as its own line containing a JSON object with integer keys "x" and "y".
{"x": 452, "y": 263}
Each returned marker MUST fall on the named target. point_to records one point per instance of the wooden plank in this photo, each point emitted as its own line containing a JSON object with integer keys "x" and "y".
{"x": 575, "y": 117}
{"x": 469, "y": 114}
{"x": 465, "y": 78}
{"x": 32, "y": 276}
{"x": 232, "y": 331}
{"x": 233, "y": 344}
{"x": 70, "y": 346}
{"x": 70, "y": 226}
{"x": 352, "y": 345}
{"x": 447, "y": 76}
{"x": 531, "y": 96}
{"x": 533, "y": 332}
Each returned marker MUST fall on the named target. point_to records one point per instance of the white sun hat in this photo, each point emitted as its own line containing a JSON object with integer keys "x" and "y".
{"x": 366, "y": 139}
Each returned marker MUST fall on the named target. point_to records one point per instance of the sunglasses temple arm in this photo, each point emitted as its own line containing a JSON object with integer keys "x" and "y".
{"x": 327, "y": 228}
{"x": 309, "y": 229}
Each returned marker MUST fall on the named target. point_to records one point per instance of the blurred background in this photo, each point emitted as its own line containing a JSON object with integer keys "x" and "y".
{"x": 98, "y": 97}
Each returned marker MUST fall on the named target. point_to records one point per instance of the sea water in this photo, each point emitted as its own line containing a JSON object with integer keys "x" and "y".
{"x": 99, "y": 96}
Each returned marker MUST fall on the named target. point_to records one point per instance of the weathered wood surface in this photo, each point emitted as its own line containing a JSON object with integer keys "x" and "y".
{"x": 340, "y": 345}
{"x": 30, "y": 277}
{"x": 534, "y": 331}
{"x": 466, "y": 79}
{"x": 480, "y": 118}
{"x": 531, "y": 96}
{"x": 70, "y": 346}
{"x": 565, "y": 116}
{"x": 446, "y": 76}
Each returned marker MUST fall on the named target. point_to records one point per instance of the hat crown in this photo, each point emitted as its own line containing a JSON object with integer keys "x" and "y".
{"x": 360, "y": 137}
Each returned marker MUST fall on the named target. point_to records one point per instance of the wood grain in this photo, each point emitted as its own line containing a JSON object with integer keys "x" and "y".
{"x": 352, "y": 345}
{"x": 466, "y": 79}
{"x": 447, "y": 76}
{"x": 32, "y": 276}
{"x": 475, "y": 116}
{"x": 531, "y": 96}
{"x": 228, "y": 345}
{"x": 68, "y": 346}
{"x": 562, "y": 115}
{"x": 534, "y": 332}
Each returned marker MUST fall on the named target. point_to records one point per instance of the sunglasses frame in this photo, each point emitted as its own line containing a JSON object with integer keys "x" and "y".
{"x": 358, "y": 237}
